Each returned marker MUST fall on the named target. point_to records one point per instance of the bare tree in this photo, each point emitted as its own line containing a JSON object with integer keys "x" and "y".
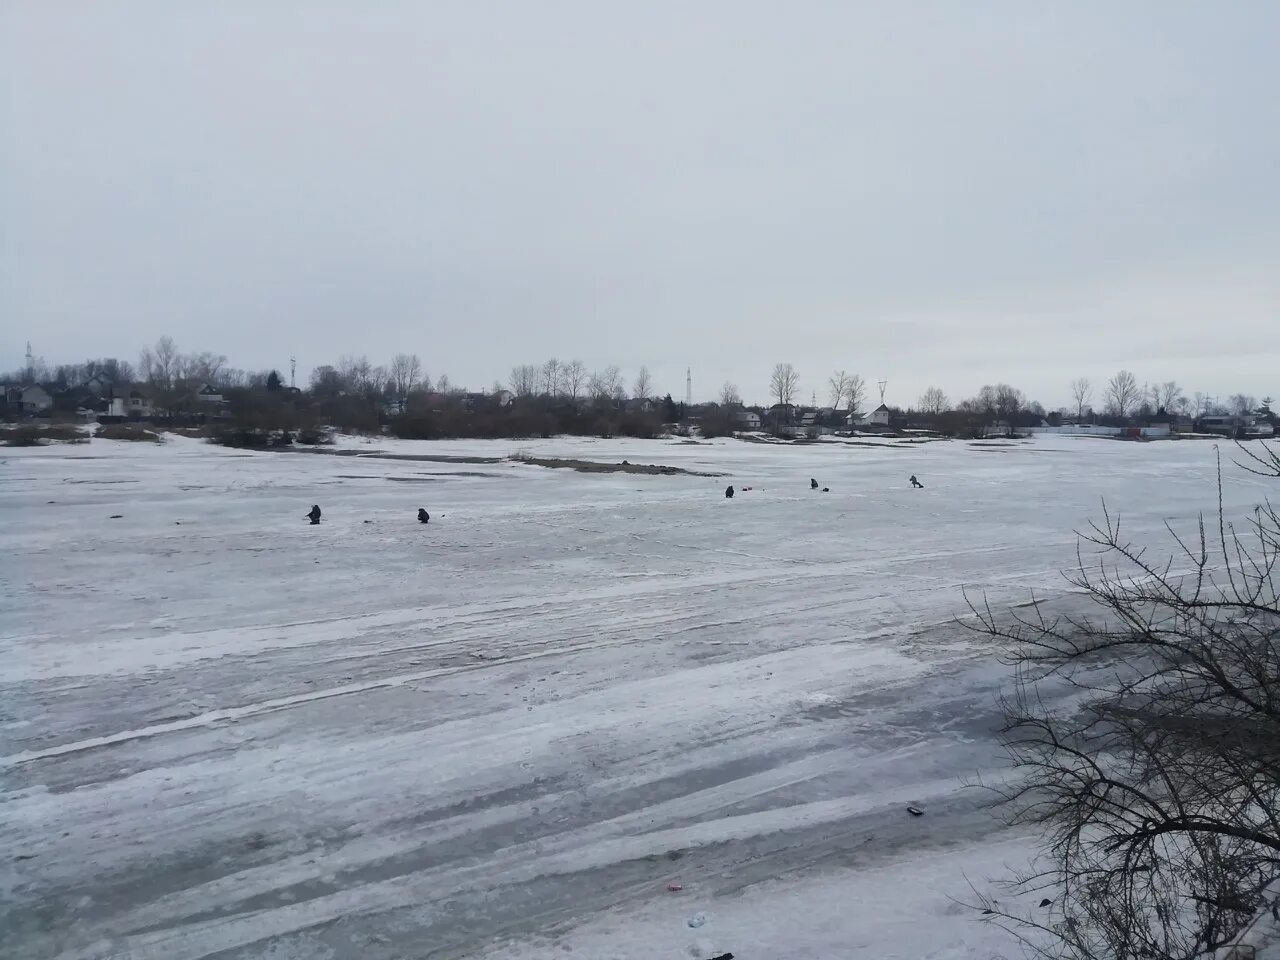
{"x": 784, "y": 383}
{"x": 934, "y": 401}
{"x": 1009, "y": 401}
{"x": 574, "y": 378}
{"x": 198, "y": 368}
{"x": 985, "y": 401}
{"x": 1242, "y": 403}
{"x": 607, "y": 384}
{"x": 1122, "y": 394}
{"x": 356, "y": 373}
{"x": 1165, "y": 396}
{"x": 524, "y": 379}
{"x": 596, "y": 388}
{"x": 1159, "y": 789}
{"x": 405, "y": 371}
{"x": 158, "y": 365}
{"x": 1081, "y": 394}
{"x": 855, "y": 393}
{"x": 167, "y": 360}
{"x": 443, "y": 385}
{"x": 551, "y": 373}
{"x": 1201, "y": 403}
{"x": 838, "y": 383}
{"x": 326, "y": 382}
{"x": 729, "y": 396}
{"x": 642, "y": 389}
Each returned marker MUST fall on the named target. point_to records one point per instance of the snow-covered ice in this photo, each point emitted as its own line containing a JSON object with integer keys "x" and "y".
{"x": 226, "y": 733}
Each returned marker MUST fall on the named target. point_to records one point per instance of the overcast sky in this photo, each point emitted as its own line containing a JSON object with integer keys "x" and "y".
{"x": 949, "y": 193}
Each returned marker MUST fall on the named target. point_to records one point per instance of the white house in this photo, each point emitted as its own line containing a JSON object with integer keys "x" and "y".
{"x": 133, "y": 403}
{"x": 879, "y": 416}
{"x": 747, "y": 420}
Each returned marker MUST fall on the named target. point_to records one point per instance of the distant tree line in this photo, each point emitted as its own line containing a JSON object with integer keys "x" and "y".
{"x": 557, "y": 396}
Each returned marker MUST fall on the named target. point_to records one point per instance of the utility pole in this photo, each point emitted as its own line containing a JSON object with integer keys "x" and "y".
{"x": 883, "y": 384}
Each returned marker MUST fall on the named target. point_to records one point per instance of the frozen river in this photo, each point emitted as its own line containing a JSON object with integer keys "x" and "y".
{"x": 229, "y": 734}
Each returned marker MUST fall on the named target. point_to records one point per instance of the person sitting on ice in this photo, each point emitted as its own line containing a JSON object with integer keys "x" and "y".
{"x": 314, "y": 514}
{"x": 423, "y": 516}
{"x": 728, "y": 492}
{"x": 916, "y": 483}
{"x": 813, "y": 484}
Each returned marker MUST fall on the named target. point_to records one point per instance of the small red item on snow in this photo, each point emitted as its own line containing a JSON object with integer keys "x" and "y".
{"x": 674, "y": 887}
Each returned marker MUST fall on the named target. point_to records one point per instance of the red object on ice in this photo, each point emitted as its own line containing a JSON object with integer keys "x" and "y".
{"x": 674, "y": 887}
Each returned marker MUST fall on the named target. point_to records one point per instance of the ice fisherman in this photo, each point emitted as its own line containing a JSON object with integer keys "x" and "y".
{"x": 916, "y": 483}
{"x": 314, "y": 514}
{"x": 728, "y": 492}
{"x": 813, "y": 484}
{"x": 423, "y": 516}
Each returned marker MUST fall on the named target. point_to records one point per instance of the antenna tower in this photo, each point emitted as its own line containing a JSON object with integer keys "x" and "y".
{"x": 31, "y": 361}
{"x": 688, "y": 387}
{"x": 883, "y": 384}
{"x": 293, "y": 370}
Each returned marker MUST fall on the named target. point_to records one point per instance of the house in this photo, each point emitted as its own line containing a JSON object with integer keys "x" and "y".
{"x": 639, "y": 405}
{"x": 210, "y": 402}
{"x": 997, "y": 428}
{"x": 781, "y": 413}
{"x": 879, "y": 416}
{"x": 132, "y": 403}
{"x": 747, "y": 420}
{"x": 503, "y": 398}
{"x": 30, "y": 401}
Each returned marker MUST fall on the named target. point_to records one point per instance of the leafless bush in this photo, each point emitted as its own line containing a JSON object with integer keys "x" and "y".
{"x": 35, "y": 435}
{"x": 1159, "y": 791}
{"x": 126, "y": 431}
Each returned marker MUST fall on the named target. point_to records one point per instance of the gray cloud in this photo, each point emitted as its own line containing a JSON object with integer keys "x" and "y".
{"x": 933, "y": 194}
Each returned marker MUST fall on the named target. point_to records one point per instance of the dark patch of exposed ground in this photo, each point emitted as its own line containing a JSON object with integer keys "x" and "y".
{"x": 591, "y": 466}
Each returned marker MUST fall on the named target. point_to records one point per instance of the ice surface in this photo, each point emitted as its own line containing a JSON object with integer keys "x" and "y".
{"x": 226, "y": 733}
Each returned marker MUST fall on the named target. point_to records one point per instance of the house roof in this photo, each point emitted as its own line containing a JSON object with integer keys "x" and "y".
{"x": 881, "y": 409}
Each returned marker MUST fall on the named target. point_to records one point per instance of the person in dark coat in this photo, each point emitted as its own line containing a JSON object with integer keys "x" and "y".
{"x": 314, "y": 515}
{"x": 423, "y": 516}
{"x": 813, "y": 484}
{"x": 916, "y": 483}
{"x": 728, "y": 492}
